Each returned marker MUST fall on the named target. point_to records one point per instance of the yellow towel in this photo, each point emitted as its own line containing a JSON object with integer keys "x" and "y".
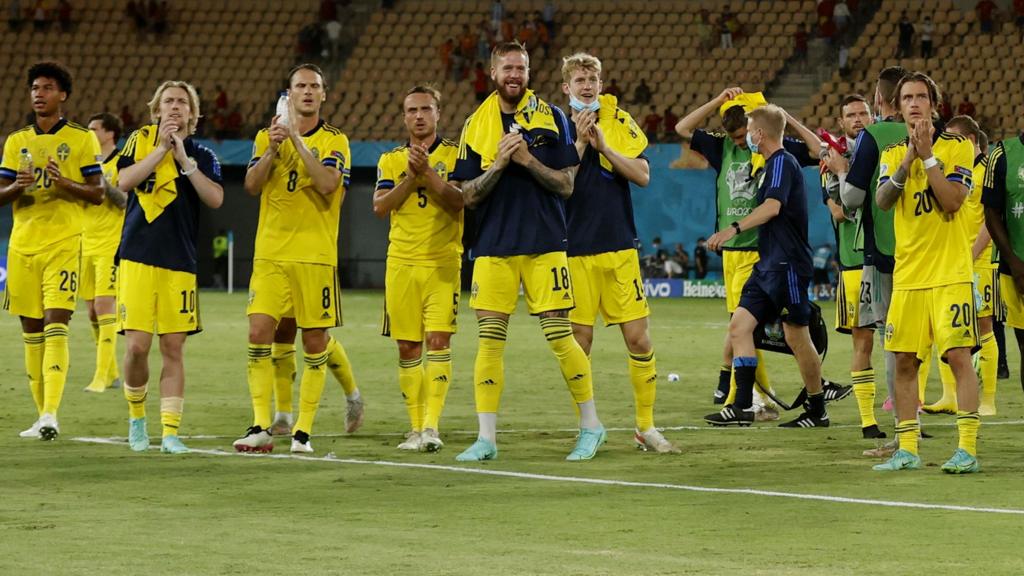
{"x": 621, "y": 132}
{"x": 483, "y": 129}
{"x": 154, "y": 194}
{"x": 749, "y": 101}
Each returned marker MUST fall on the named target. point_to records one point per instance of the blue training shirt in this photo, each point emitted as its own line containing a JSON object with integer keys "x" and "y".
{"x": 520, "y": 216}
{"x": 169, "y": 241}
{"x": 600, "y": 210}
{"x": 782, "y": 241}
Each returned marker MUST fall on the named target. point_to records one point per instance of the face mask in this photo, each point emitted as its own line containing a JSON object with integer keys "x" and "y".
{"x": 750, "y": 144}
{"x": 579, "y": 106}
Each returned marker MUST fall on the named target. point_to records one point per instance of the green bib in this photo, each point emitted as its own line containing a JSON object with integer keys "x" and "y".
{"x": 850, "y": 235}
{"x": 884, "y": 133}
{"x": 737, "y": 193}
{"x": 1014, "y": 151}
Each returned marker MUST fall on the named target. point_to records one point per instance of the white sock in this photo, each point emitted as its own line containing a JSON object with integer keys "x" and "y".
{"x": 354, "y": 396}
{"x": 588, "y": 415}
{"x": 488, "y": 426}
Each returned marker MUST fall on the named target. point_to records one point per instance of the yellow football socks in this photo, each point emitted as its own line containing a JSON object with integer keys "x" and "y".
{"x": 989, "y": 362}
{"x": 311, "y": 388}
{"x": 282, "y": 356}
{"x": 864, "y": 392}
{"x": 907, "y": 431}
{"x": 55, "y": 365}
{"x": 106, "y": 350}
{"x": 571, "y": 359}
{"x": 644, "y": 377}
{"x": 136, "y": 398}
{"x": 261, "y": 383}
{"x": 340, "y": 367}
{"x": 967, "y": 424}
{"x": 439, "y": 378}
{"x": 489, "y": 367}
{"x": 410, "y": 381}
{"x": 34, "y": 343}
{"x": 170, "y": 415}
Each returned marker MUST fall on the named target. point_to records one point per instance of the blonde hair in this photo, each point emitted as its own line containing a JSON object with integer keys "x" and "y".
{"x": 193, "y": 103}
{"x": 771, "y": 119}
{"x": 579, "y": 61}
{"x": 504, "y": 48}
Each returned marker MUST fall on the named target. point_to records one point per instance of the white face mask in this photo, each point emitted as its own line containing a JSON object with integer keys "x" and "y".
{"x": 578, "y": 105}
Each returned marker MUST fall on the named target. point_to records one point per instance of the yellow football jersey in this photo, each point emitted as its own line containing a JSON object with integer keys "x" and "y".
{"x": 46, "y": 215}
{"x": 422, "y": 231}
{"x": 103, "y": 223}
{"x": 297, "y": 223}
{"x": 975, "y": 214}
{"x": 932, "y": 247}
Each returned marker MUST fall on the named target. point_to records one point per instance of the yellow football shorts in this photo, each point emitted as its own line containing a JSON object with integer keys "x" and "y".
{"x": 544, "y": 277}
{"x": 99, "y": 277}
{"x": 609, "y": 283}
{"x": 157, "y": 300}
{"x": 944, "y": 316}
{"x": 419, "y": 299}
{"x": 737, "y": 266}
{"x": 1013, "y": 304}
{"x": 848, "y": 300}
{"x": 985, "y": 283}
{"x": 307, "y": 292}
{"x": 45, "y": 281}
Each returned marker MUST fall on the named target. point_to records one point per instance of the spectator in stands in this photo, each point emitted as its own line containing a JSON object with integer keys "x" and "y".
{"x": 458, "y": 63}
{"x": 705, "y": 32}
{"x": 613, "y": 89}
{"x": 946, "y": 109}
{"x": 700, "y": 258}
{"x": 14, "y": 15}
{"x": 484, "y": 41}
{"x": 526, "y": 34}
{"x": 800, "y": 39}
{"x": 826, "y": 9}
{"x": 481, "y": 82}
{"x": 652, "y": 123}
{"x": 497, "y": 15}
{"x": 220, "y": 259}
{"x": 669, "y": 126}
{"x": 158, "y": 16}
{"x": 966, "y": 108}
{"x": 842, "y": 16}
{"x": 221, "y": 100}
{"x": 1018, "y": 11}
{"x": 445, "y": 51}
{"x": 985, "y": 9}
{"x": 906, "y": 36}
{"x": 843, "y": 59}
{"x": 543, "y": 34}
{"x": 235, "y": 123}
{"x": 136, "y": 12}
{"x": 508, "y": 28}
{"x": 127, "y": 119}
{"x": 64, "y": 15}
{"x": 680, "y": 260}
{"x": 724, "y": 31}
{"x": 642, "y": 93}
{"x": 927, "y": 28}
{"x": 548, "y": 17}
{"x": 332, "y": 30}
{"x": 328, "y": 10}
{"x": 39, "y": 20}
{"x": 467, "y": 43}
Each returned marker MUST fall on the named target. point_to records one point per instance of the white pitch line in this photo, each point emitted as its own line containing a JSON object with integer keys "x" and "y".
{"x": 595, "y": 481}
{"x": 576, "y": 430}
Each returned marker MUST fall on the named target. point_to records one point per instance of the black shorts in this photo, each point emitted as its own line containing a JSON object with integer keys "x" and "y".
{"x": 821, "y": 276}
{"x": 771, "y": 295}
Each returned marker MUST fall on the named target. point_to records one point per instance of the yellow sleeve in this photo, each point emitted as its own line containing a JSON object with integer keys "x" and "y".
{"x": 259, "y": 145}
{"x": 11, "y": 159}
{"x": 386, "y": 176}
{"x": 888, "y": 164}
{"x": 959, "y": 167}
{"x": 90, "y": 158}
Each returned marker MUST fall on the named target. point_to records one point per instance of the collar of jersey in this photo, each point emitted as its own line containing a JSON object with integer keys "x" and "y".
{"x": 315, "y": 128}
{"x": 113, "y": 153}
{"x": 56, "y": 127}
{"x": 437, "y": 142}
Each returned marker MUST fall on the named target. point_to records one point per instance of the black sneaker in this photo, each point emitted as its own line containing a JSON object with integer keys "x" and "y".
{"x": 872, "y": 432}
{"x": 1003, "y": 372}
{"x": 834, "y": 392}
{"x": 808, "y": 420}
{"x": 731, "y": 416}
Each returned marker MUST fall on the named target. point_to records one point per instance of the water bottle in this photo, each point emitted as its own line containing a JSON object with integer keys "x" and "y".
{"x": 25, "y": 165}
{"x": 282, "y": 109}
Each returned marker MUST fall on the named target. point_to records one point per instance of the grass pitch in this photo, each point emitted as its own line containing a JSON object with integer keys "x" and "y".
{"x": 69, "y": 507}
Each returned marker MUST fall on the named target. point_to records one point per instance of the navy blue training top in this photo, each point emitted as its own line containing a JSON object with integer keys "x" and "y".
{"x": 520, "y": 216}
{"x": 782, "y": 241}
{"x": 169, "y": 241}
{"x": 600, "y": 210}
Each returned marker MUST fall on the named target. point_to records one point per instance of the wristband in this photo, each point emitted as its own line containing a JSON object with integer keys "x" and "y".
{"x": 930, "y": 162}
{"x": 897, "y": 183}
{"x": 736, "y": 225}
{"x": 192, "y": 170}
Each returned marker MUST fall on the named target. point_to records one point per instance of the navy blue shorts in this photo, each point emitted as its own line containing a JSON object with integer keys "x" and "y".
{"x": 771, "y": 295}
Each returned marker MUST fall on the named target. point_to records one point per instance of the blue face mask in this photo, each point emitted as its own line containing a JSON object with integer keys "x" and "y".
{"x": 579, "y": 106}
{"x": 750, "y": 144}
